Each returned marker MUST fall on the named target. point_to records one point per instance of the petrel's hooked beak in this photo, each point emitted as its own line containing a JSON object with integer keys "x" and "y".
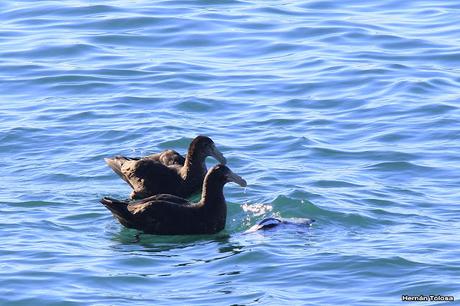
{"x": 232, "y": 177}
{"x": 214, "y": 152}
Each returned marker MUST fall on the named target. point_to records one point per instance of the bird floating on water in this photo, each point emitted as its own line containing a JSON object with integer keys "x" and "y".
{"x": 167, "y": 172}
{"x": 167, "y": 214}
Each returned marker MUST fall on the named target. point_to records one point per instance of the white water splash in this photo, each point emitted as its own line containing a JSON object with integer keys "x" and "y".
{"x": 257, "y": 209}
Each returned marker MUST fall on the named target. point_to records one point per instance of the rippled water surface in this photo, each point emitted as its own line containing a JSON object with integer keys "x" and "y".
{"x": 346, "y": 112}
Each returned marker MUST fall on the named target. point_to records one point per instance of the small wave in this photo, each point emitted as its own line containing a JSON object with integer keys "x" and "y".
{"x": 399, "y": 166}
{"x": 32, "y": 204}
{"x": 334, "y": 184}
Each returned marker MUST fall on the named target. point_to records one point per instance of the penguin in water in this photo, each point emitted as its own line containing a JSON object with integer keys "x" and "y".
{"x": 271, "y": 222}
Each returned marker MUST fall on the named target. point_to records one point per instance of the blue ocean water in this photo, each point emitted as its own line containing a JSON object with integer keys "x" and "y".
{"x": 346, "y": 112}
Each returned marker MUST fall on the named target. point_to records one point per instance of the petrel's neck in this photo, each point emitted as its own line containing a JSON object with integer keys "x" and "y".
{"x": 212, "y": 196}
{"x": 194, "y": 166}
{"x": 213, "y": 203}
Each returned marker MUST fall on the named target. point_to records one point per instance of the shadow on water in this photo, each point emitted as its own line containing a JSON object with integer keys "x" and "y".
{"x": 132, "y": 240}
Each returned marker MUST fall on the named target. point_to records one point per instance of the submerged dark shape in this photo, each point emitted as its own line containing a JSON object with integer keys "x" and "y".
{"x": 166, "y": 214}
{"x": 272, "y": 222}
{"x": 167, "y": 172}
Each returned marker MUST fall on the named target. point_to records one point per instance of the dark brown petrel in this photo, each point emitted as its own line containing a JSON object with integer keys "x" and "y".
{"x": 166, "y": 214}
{"x": 167, "y": 172}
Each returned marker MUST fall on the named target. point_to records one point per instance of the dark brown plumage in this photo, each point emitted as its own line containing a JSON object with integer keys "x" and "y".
{"x": 166, "y": 214}
{"x": 167, "y": 172}
{"x": 167, "y": 157}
